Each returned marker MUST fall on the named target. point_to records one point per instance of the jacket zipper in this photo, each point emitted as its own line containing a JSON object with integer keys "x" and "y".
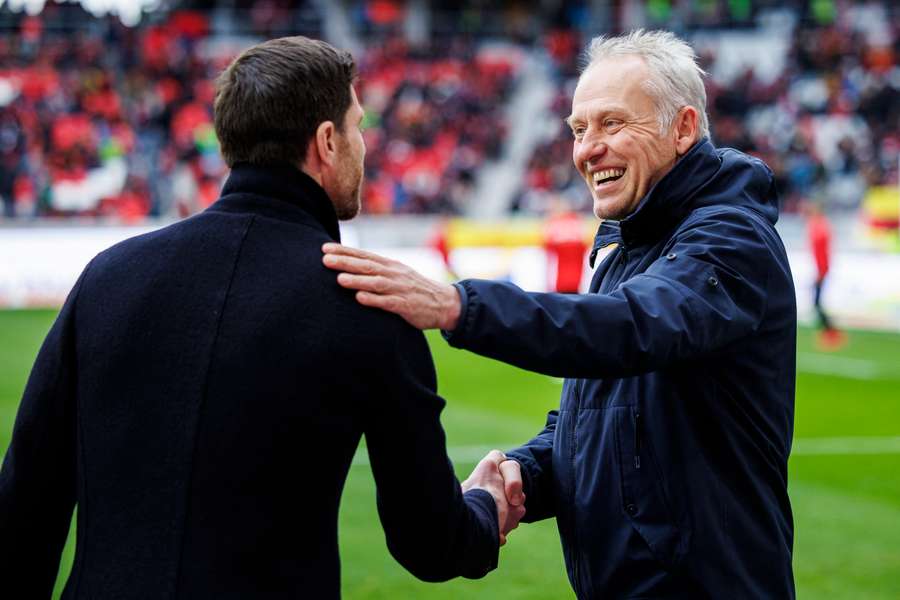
{"x": 637, "y": 439}
{"x": 576, "y": 554}
{"x": 578, "y": 390}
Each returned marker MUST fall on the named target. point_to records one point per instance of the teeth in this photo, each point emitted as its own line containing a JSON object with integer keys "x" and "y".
{"x": 607, "y": 173}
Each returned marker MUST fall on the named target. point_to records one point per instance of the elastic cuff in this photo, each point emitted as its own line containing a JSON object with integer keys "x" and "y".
{"x": 463, "y": 310}
{"x": 482, "y": 504}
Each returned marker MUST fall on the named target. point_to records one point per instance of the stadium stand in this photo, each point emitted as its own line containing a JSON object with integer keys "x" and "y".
{"x": 102, "y": 120}
{"x": 825, "y": 119}
{"x": 117, "y": 122}
{"x": 432, "y": 119}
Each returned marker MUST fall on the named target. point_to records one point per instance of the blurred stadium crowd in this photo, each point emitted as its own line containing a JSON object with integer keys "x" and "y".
{"x": 100, "y": 119}
{"x": 827, "y": 122}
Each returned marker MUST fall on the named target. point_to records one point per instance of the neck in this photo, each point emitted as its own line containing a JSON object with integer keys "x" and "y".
{"x": 314, "y": 175}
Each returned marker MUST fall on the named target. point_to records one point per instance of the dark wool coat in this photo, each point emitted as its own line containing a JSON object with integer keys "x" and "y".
{"x": 666, "y": 463}
{"x": 200, "y": 398}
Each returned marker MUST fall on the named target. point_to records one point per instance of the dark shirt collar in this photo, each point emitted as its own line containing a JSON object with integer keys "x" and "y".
{"x": 289, "y": 186}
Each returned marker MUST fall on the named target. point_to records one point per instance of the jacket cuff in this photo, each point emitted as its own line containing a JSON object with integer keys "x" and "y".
{"x": 484, "y": 510}
{"x": 455, "y": 337}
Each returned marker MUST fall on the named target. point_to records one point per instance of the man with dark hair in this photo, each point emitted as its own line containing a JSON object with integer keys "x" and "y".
{"x": 204, "y": 388}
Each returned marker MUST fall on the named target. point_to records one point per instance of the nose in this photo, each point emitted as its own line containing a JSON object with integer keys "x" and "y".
{"x": 589, "y": 151}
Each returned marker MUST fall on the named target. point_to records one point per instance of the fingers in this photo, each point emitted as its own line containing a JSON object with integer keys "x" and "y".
{"x": 363, "y": 274}
{"x": 488, "y": 467}
{"x": 393, "y": 286}
{"x": 335, "y": 250}
{"x": 511, "y": 472}
{"x": 352, "y": 264}
{"x": 366, "y": 283}
{"x": 389, "y": 303}
{"x": 490, "y": 474}
{"x": 495, "y": 456}
{"x": 515, "y": 514}
{"x": 478, "y": 476}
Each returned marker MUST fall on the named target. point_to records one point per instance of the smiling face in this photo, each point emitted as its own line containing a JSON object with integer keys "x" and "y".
{"x": 618, "y": 149}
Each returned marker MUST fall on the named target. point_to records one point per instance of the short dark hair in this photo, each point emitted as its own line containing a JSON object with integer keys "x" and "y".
{"x": 271, "y": 98}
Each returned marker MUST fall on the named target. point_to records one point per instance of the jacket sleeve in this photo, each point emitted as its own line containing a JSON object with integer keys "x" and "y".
{"x": 708, "y": 289}
{"x": 432, "y": 529}
{"x": 536, "y": 460}
{"x": 38, "y": 477}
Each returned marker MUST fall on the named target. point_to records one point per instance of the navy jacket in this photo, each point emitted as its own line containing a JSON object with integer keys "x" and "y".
{"x": 201, "y": 396}
{"x": 666, "y": 463}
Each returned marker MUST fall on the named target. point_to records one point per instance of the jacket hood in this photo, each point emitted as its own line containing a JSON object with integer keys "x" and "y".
{"x": 725, "y": 177}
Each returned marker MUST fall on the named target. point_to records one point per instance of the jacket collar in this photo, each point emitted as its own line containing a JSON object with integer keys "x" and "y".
{"x": 293, "y": 190}
{"x": 666, "y": 204}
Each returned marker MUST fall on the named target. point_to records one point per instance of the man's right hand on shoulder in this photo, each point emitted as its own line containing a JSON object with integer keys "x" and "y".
{"x": 502, "y": 478}
{"x": 392, "y": 286}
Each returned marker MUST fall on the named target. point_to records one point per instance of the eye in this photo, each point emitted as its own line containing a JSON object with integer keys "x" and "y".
{"x": 613, "y": 125}
{"x": 578, "y": 131}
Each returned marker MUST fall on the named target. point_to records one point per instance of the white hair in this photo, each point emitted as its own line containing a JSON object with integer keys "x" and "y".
{"x": 676, "y": 80}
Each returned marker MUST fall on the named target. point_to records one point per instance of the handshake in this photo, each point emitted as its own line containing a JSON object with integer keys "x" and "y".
{"x": 501, "y": 477}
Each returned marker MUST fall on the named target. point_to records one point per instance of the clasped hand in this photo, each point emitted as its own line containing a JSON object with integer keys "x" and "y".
{"x": 427, "y": 304}
{"x": 502, "y": 479}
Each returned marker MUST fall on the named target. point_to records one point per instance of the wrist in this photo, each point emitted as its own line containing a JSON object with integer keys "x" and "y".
{"x": 452, "y": 309}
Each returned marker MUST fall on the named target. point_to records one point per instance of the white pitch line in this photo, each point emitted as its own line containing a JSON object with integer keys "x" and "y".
{"x": 846, "y": 445}
{"x": 854, "y": 368}
{"x": 801, "y": 447}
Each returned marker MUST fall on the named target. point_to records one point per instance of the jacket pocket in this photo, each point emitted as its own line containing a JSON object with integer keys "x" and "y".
{"x": 643, "y": 494}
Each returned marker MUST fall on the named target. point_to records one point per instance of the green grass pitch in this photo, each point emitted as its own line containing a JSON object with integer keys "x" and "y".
{"x": 844, "y": 472}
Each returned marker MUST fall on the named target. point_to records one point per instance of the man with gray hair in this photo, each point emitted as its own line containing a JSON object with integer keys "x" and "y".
{"x": 666, "y": 463}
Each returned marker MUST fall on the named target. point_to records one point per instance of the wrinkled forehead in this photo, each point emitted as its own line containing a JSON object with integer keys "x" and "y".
{"x": 614, "y": 82}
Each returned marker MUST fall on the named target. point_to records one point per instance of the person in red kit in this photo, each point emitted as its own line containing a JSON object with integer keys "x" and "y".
{"x": 440, "y": 241}
{"x": 819, "y": 233}
{"x": 564, "y": 242}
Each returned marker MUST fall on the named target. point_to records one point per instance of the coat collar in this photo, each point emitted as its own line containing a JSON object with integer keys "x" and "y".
{"x": 666, "y": 204}
{"x": 294, "y": 191}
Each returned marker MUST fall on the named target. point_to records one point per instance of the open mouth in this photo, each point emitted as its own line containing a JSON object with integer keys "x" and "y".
{"x": 607, "y": 176}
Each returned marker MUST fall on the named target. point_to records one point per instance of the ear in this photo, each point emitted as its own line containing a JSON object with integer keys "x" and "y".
{"x": 686, "y": 129}
{"x": 326, "y": 144}
{"x": 311, "y": 164}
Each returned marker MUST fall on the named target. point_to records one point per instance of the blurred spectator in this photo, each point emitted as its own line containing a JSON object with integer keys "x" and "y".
{"x": 104, "y": 113}
{"x": 89, "y": 107}
{"x": 566, "y": 246}
{"x": 433, "y": 116}
{"x": 819, "y": 233}
{"x": 827, "y": 124}
{"x": 12, "y": 146}
{"x": 119, "y": 120}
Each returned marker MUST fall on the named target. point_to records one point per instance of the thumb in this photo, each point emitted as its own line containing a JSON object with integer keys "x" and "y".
{"x": 512, "y": 482}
